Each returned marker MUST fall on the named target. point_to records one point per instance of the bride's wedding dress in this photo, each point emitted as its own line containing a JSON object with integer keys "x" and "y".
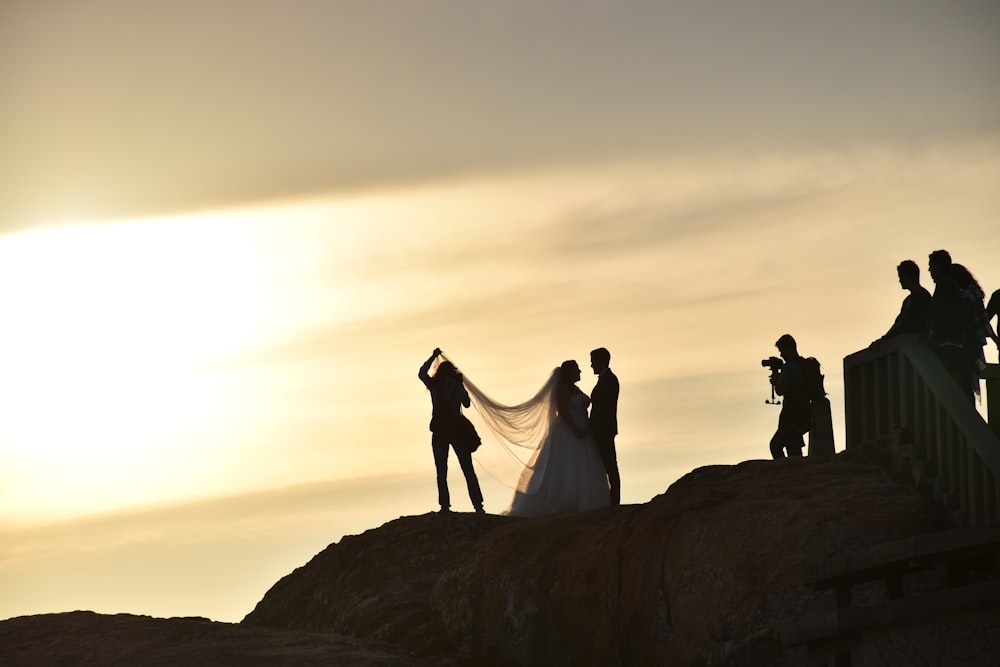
{"x": 565, "y": 474}
{"x": 551, "y": 469}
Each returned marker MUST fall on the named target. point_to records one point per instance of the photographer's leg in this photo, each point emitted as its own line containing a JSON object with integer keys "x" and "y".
{"x": 471, "y": 481}
{"x": 777, "y": 446}
{"x": 794, "y": 444}
{"x": 439, "y": 444}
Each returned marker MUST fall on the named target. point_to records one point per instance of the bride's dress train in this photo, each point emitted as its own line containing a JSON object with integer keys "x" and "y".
{"x": 565, "y": 474}
{"x": 562, "y": 472}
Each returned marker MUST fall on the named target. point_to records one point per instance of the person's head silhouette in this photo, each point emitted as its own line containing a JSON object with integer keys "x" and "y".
{"x": 939, "y": 264}
{"x": 569, "y": 372}
{"x": 787, "y": 347}
{"x": 909, "y": 274}
{"x": 600, "y": 359}
{"x": 446, "y": 370}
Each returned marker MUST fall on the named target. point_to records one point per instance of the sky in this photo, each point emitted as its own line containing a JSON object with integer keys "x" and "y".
{"x": 230, "y": 233}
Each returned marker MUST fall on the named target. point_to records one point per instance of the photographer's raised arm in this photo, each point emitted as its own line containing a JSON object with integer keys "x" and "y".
{"x": 424, "y": 373}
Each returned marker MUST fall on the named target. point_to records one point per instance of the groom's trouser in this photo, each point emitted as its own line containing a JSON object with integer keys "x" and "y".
{"x": 606, "y": 448}
{"x": 440, "y": 445}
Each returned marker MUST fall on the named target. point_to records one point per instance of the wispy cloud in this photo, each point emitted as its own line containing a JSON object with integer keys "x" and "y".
{"x": 214, "y": 557}
{"x": 274, "y": 103}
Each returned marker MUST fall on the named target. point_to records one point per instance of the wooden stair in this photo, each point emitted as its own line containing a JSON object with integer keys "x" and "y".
{"x": 921, "y": 582}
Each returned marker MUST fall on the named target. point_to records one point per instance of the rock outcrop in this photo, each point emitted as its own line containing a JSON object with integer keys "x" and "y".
{"x": 705, "y": 573}
{"x": 96, "y": 640}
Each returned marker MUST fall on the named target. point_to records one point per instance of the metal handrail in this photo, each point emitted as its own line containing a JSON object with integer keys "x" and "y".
{"x": 900, "y": 387}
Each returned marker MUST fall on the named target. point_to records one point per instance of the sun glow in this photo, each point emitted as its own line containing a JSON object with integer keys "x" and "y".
{"x": 157, "y": 360}
{"x": 106, "y": 349}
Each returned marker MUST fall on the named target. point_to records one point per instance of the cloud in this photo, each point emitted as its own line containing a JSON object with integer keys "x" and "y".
{"x": 117, "y": 109}
{"x": 213, "y": 557}
{"x": 687, "y": 240}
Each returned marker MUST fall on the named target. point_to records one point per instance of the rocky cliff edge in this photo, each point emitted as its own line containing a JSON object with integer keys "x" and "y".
{"x": 704, "y": 574}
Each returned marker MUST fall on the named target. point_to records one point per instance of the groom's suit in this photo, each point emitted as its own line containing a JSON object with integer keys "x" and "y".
{"x": 604, "y": 427}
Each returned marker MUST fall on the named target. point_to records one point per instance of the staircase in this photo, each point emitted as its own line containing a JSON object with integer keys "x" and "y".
{"x": 936, "y": 596}
{"x": 929, "y": 599}
{"x": 900, "y": 401}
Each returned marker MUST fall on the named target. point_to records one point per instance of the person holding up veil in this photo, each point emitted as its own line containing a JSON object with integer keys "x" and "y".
{"x": 564, "y": 472}
{"x": 448, "y": 395}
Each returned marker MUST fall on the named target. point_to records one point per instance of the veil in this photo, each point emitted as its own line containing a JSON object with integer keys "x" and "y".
{"x": 518, "y": 431}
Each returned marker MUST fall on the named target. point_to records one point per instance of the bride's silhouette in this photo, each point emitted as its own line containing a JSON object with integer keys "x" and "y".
{"x": 564, "y": 472}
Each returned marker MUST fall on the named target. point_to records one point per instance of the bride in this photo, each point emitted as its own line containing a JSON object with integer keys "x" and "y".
{"x": 563, "y": 472}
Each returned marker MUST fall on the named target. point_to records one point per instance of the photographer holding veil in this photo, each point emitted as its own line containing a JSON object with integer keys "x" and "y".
{"x": 450, "y": 428}
{"x": 547, "y": 453}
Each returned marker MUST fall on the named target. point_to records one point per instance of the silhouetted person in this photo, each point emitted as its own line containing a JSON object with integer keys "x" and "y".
{"x": 916, "y": 306}
{"x": 976, "y": 328}
{"x": 992, "y": 310}
{"x": 604, "y": 418}
{"x": 945, "y": 329}
{"x": 565, "y": 473}
{"x": 448, "y": 395}
{"x": 796, "y": 414}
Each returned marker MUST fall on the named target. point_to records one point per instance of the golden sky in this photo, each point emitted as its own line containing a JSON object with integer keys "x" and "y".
{"x": 229, "y": 237}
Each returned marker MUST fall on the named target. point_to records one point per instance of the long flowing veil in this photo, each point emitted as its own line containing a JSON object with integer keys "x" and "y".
{"x": 510, "y": 455}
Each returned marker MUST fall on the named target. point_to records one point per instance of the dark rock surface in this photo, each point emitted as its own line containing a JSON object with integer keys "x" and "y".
{"x": 96, "y": 640}
{"x": 704, "y": 574}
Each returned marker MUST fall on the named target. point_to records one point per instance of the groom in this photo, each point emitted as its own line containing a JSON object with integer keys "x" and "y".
{"x": 604, "y": 418}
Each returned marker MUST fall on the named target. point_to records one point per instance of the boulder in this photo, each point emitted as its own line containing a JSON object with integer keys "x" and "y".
{"x": 705, "y": 573}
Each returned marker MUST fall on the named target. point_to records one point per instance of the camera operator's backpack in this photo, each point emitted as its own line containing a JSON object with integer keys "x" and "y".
{"x": 812, "y": 379}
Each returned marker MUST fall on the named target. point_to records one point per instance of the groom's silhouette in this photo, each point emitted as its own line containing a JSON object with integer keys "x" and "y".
{"x": 604, "y": 418}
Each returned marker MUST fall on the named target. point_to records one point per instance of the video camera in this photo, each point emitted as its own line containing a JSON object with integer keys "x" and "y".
{"x": 775, "y": 364}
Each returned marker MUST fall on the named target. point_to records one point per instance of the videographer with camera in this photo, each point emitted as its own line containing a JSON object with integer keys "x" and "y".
{"x": 788, "y": 381}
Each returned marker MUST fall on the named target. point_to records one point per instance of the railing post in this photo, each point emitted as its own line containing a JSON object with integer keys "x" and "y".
{"x": 992, "y": 376}
{"x": 975, "y": 466}
{"x": 852, "y": 405}
{"x": 900, "y": 386}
